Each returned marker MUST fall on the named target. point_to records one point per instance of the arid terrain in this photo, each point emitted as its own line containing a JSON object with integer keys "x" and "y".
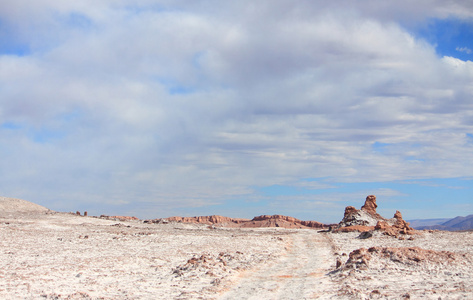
{"x": 50, "y": 255}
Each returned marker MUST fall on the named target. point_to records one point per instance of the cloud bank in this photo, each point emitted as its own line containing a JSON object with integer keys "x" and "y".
{"x": 178, "y": 104}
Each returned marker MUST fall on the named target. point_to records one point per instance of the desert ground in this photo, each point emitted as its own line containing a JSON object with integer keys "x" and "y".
{"x": 50, "y": 255}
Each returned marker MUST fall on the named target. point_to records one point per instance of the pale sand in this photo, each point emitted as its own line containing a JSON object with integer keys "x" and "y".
{"x": 64, "y": 256}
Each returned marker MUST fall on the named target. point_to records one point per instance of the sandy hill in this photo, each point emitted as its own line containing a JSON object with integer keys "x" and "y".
{"x": 12, "y": 205}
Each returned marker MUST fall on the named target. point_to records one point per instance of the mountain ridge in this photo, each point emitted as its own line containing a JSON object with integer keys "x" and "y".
{"x": 454, "y": 224}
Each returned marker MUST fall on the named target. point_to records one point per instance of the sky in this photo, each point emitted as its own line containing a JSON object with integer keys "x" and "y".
{"x": 238, "y": 108}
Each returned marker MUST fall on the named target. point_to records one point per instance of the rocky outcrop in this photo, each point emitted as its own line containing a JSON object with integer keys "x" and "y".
{"x": 394, "y": 226}
{"x": 119, "y": 218}
{"x": 370, "y": 207}
{"x": 209, "y": 220}
{"x": 354, "y": 228}
{"x": 256, "y": 222}
{"x": 280, "y": 221}
{"x": 366, "y": 216}
{"x": 367, "y": 219}
{"x": 359, "y": 259}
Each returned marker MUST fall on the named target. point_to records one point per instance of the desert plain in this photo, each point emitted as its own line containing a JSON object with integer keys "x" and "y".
{"x": 52, "y": 255}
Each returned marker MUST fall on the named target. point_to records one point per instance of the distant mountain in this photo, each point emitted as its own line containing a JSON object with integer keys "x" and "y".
{"x": 460, "y": 223}
{"x": 426, "y": 222}
{"x": 455, "y": 224}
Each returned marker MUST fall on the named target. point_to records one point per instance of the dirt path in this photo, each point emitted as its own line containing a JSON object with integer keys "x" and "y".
{"x": 300, "y": 274}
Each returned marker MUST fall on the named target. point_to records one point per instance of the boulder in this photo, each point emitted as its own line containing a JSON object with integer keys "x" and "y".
{"x": 365, "y": 235}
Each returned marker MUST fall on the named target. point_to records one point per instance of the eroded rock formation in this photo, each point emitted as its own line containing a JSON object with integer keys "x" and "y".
{"x": 394, "y": 226}
{"x": 370, "y": 207}
{"x": 364, "y": 219}
{"x": 209, "y": 220}
{"x": 256, "y": 222}
{"x": 119, "y": 218}
{"x": 367, "y": 219}
{"x": 281, "y": 221}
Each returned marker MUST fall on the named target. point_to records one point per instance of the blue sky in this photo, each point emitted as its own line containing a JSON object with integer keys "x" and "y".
{"x": 161, "y": 108}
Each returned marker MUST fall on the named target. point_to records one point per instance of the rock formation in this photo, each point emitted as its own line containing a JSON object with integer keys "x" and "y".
{"x": 280, "y": 221}
{"x": 209, "y": 220}
{"x": 367, "y": 219}
{"x": 394, "y": 226}
{"x": 119, "y": 218}
{"x": 370, "y": 206}
{"x": 256, "y": 222}
{"x": 366, "y": 216}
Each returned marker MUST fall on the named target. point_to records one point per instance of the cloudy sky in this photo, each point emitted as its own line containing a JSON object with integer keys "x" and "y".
{"x": 239, "y": 108}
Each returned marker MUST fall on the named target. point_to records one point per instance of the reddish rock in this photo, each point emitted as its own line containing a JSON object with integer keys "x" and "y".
{"x": 412, "y": 255}
{"x": 349, "y": 211}
{"x": 381, "y": 225}
{"x": 313, "y": 224}
{"x": 357, "y": 228}
{"x": 209, "y": 220}
{"x": 283, "y": 221}
{"x": 256, "y": 222}
{"x": 370, "y": 204}
{"x": 399, "y": 227}
{"x": 398, "y": 215}
{"x": 366, "y": 217}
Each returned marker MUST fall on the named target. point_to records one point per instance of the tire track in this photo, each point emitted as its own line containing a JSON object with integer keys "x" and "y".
{"x": 300, "y": 274}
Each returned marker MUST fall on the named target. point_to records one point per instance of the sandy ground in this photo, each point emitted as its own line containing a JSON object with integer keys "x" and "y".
{"x": 64, "y": 256}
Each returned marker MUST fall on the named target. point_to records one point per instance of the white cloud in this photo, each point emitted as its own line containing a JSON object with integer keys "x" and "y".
{"x": 192, "y": 103}
{"x": 464, "y": 49}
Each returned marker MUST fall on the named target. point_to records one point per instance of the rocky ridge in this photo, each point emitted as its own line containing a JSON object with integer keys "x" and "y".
{"x": 281, "y": 221}
{"x": 256, "y": 222}
{"x": 455, "y": 224}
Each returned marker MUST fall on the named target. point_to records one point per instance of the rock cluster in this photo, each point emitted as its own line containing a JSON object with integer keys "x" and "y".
{"x": 367, "y": 219}
{"x": 395, "y": 226}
